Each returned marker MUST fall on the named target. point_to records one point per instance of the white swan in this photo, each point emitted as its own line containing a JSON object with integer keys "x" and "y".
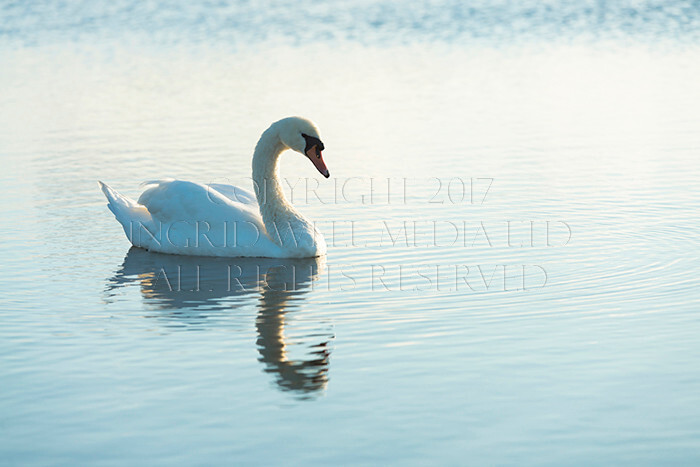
{"x": 186, "y": 218}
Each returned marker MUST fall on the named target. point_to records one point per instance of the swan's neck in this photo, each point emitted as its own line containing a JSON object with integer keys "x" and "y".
{"x": 274, "y": 207}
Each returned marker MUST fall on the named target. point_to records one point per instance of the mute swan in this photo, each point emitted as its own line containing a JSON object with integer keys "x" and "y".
{"x": 186, "y": 218}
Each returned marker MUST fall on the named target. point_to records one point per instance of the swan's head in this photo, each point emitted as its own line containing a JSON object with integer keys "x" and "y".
{"x": 301, "y": 135}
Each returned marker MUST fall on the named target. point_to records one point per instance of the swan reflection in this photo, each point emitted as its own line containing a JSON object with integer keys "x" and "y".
{"x": 191, "y": 289}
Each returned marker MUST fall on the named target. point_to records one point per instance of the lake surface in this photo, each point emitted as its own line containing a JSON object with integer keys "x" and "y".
{"x": 512, "y": 220}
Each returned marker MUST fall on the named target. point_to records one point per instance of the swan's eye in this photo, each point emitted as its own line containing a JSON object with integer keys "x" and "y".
{"x": 312, "y": 141}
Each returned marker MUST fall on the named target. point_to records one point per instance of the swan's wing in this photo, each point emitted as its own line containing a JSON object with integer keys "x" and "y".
{"x": 195, "y": 219}
{"x": 235, "y": 193}
{"x": 171, "y": 201}
{"x": 174, "y": 216}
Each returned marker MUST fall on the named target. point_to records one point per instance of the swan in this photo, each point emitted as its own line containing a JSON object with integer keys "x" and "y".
{"x": 187, "y": 218}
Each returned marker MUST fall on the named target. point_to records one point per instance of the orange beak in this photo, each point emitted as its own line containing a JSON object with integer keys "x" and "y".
{"x": 317, "y": 159}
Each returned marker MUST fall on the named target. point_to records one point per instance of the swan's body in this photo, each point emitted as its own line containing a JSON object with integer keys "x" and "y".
{"x": 186, "y": 218}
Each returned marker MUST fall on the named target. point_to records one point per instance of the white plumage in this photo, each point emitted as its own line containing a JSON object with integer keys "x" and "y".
{"x": 186, "y": 218}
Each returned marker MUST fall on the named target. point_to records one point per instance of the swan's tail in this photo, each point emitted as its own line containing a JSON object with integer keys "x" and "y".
{"x": 117, "y": 202}
{"x": 128, "y": 212}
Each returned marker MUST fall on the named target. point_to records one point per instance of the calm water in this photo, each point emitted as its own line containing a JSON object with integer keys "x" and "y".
{"x": 512, "y": 223}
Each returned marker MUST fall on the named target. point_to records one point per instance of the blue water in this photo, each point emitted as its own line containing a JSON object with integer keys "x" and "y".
{"x": 512, "y": 222}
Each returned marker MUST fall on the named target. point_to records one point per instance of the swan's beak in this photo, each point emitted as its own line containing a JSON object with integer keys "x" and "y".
{"x": 317, "y": 159}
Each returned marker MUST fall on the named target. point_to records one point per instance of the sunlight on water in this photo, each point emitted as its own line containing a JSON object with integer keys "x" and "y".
{"x": 511, "y": 220}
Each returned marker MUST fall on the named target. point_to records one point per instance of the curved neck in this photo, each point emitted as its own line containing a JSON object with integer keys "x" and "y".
{"x": 268, "y": 188}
